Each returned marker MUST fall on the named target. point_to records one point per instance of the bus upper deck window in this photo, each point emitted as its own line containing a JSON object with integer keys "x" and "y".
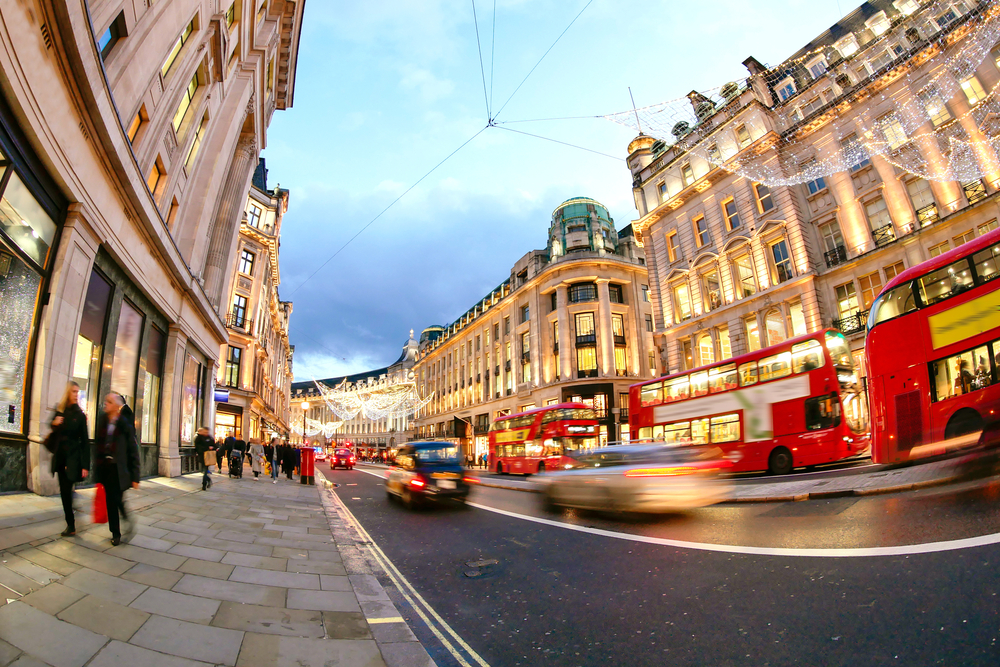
{"x": 987, "y": 263}
{"x": 840, "y": 351}
{"x": 897, "y": 301}
{"x": 807, "y": 356}
{"x": 748, "y": 374}
{"x": 945, "y": 282}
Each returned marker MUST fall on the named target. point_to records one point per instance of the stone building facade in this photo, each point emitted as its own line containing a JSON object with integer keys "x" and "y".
{"x": 572, "y": 322}
{"x": 255, "y": 367}
{"x": 736, "y": 265}
{"x": 129, "y": 133}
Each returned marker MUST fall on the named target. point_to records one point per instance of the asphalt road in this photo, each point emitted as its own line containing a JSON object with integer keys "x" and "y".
{"x": 563, "y": 597}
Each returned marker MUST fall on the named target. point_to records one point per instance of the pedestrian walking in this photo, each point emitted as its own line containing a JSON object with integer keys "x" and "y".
{"x": 227, "y": 449}
{"x": 204, "y": 444}
{"x": 116, "y": 453}
{"x": 289, "y": 461}
{"x": 71, "y": 456}
{"x": 274, "y": 460}
{"x": 298, "y": 460}
{"x": 256, "y": 458}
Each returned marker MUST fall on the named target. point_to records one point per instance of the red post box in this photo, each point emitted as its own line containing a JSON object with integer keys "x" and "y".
{"x": 307, "y": 467}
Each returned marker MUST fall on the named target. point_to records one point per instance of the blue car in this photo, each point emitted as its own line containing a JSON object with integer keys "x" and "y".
{"x": 427, "y": 472}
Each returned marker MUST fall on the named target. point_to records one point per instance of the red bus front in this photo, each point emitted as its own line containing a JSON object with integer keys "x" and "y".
{"x": 541, "y": 439}
{"x": 786, "y": 406}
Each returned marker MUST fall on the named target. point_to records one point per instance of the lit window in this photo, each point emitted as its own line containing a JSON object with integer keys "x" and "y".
{"x": 743, "y": 136}
{"x": 935, "y": 107}
{"x": 673, "y": 247}
{"x": 906, "y": 7}
{"x": 878, "y": 214}
{"x": 246, "y": 262}
{"x": 701, "y": 231}
{"x": 775, "y": 325}
{"x": 986, "y": 227}
{"x": 938, "y": 249}
{"x": 682, "y": 303}
{"x": 895, "y": 136}
{"x": 712, "y": 290}
{"x": 763, "y": 194}
{"x": 176, "y": 49}
{"x": 663, "y": 191}
{"x": 847, "y": 46}
{"x": 871, "y": 285}
{"x": 156, "y": 178}
{"x": 745, "y": 283}
{"x": 963, "y": 238}
{"x": 137, "y": 123}
{"x": 973, "y": 90}
{"x": 847, "y": 300}
{"x": 186, "y": 100}
{"x": 232, "y": 378}
{"x": 196, "y": 144}
{"x": 731, "y": 214}
{"x": 725, "y": 349}
{"x": 231, "y": 15}
{"x": 878, "y": 23}
{"x": 782, "y": 262}
{"x": 798, "y": 318}
{"x": 753, "y": 338}
{"x": 893, "y": 270}
{"x": 687, "y": 175}
{"x": 713, "y": 153}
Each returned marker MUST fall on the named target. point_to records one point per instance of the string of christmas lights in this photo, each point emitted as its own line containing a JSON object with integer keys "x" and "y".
{"x": 314, "y": 427}
{"x": 374, "y": 399}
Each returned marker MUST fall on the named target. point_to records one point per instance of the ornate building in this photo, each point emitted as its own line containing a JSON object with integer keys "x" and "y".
{"x": 129, "y": 132}
{"x": 785, "y": 203}
{"x": 255, "y": 367}
{"x": 572, "y": 322}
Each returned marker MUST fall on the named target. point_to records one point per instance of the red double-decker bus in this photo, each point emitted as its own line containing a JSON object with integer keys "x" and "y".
{"x": 933, "y": 351}
{"x": 540, "y": 439}
{"x": 781, "y": 407}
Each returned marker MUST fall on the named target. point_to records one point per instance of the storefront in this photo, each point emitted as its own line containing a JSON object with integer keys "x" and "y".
{"x": 32, "y": 211}
{"x": 228, "y": 421}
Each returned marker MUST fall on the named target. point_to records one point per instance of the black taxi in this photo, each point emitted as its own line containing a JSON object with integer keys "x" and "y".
{"x": 427, "y": 471}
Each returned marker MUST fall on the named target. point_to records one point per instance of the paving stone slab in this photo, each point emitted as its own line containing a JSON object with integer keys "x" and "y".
{"x": 231, "y": 590}
{"x": 45, "y": 637}
{"x": 204, "y": 568}
{"x": 268, "y": 650}
{"x": 367, "y": 588}
{"x": 262, "y": 562}
{"x": 8, "y": 652}
{"x": 150, "y": 575}
{"x": 316, "y": 567}
{"x": 182, "y": 538}
{"x": 117, "y": 654}
{"x": 191, "y": 530}
{"x": 48, "y": 561}
{"x": 28, "y": 661}
{"x": 191, "y": 608}
{"x": 100, "y": 584}
{"x": 238, "y": 547}
{"x": 32, "y": 571}
{"x": 104, "y": 617}
{"x": 346, "y": 625}
{"x": 138, "y": 554}
{"x": 219, "y": 646}
{"x": 12, "y": 581}
{"x": 322, "y": 600}
{"x": 53, "y": 598}
{"x": 332, "y": 556}
{"x": 286, "y": 552}
{"x": 97, "y": 538}
{"x": 201, "y": 553}
{"x": 151, "y": 543}
{"x": 269, "y": 620}
{"x": 406, "y": 654}
{"x": 330, "y": 582}
{"x": 246, "y": 537}
{"x": 251, "y": 575}
{"x": 95, "y": 560}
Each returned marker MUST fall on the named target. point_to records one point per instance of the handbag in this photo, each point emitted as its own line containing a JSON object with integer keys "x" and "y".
{"x": 100, "y": 505}
{"x": 210, "y": 458}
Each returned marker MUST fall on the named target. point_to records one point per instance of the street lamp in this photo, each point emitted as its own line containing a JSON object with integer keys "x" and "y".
{"x": 305, "y": 409}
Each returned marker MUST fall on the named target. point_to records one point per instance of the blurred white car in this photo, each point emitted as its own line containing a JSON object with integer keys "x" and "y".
{"x": 640, "y": 478}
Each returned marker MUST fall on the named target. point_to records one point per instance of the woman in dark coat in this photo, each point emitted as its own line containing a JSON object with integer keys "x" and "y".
{"x": 71, "y": 458}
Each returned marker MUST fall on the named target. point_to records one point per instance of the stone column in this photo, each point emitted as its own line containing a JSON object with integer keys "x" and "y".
{"x": 565, "y": 345}
{"x": 606, "y": 338}
{"x": 208, "y": 409}
{"x": 233, "y": 201}
{"x": 170, "y": 402}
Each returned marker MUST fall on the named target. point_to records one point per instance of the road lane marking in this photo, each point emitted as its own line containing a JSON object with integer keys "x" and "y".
{"x": 853, "y": 552}
{"x": 391, "y": 619}
{"x": 403, "y": 585}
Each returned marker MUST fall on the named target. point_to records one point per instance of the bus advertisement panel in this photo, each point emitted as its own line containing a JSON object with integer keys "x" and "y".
{"x": 541, "y": 439}
{"x": 785, "y": 406}
{"x": 933, "y": 351}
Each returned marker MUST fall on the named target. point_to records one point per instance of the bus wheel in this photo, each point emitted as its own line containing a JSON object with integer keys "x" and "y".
{"x": 541, "y": 467}
{"x": 499, "y": 468}
{"x": 963, "y": 422}
{"x": 780, "y": 461}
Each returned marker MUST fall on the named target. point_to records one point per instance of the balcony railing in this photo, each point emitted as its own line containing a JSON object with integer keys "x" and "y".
{"x": 555, "y": 348}
{"x": 237, "y": 320}
{"x": 836, "y": 256}
{"x": 623, "y": 414}
{"x": 927, "y": 214}
{"x": 496, "y": 370}
{"x": 526, "y": 357}
{"x": 852, "y": 324}
{"x": 884, "y": 235}
{"x": 974, "y": 191}
{"x": 584, "y": 373}
{"x": 600, "y": 413}
{"x": 588, "y": 340}
{"x": 619, "y": 341}
{"x": 506, "y": 365}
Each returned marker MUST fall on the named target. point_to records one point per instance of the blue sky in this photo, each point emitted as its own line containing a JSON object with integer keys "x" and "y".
{"x": 384, "y": 91}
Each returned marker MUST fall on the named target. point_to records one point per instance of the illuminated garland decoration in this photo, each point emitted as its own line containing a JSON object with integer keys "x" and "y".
{"x": 374, "y": 399}
{"x": 314, "y": 427}
{"x": 960, "y": 149}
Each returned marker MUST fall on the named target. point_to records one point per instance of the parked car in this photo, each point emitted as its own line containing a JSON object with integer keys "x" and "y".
{"x": 640, "y": 478}
{"x": 320, "y": 456}
{"x": 342, "y": 458}
{"x": 427, "y": 472}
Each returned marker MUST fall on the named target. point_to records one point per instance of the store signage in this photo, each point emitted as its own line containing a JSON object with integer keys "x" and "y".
{"x": 221, "y": 395}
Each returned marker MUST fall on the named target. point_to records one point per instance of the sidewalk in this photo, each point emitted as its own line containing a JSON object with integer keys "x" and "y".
{"x": 247, "y": 573}
{"x": 873, "y": 480}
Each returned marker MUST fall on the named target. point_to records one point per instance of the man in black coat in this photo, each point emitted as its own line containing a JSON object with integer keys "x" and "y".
{"x": 116, "y": 458}
{"x": 203, "y": 444}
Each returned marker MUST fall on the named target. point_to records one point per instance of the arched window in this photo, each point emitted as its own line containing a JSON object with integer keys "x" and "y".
{"x": 706, "y": 350}
{"x": 775, "y": 324}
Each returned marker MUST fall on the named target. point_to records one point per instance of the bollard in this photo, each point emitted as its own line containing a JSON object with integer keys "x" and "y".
{"x": 306, "y": 468}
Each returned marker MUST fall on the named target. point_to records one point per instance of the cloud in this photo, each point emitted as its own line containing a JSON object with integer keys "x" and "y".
{"x": 429, "y": 87}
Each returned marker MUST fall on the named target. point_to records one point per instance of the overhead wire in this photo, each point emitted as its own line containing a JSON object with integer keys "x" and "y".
{"x": 493, "y": 50}
{"x": 479, "y": 45}
{"x": 556, "y": 141}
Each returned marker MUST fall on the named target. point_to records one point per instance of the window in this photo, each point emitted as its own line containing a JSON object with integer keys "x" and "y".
{"x": 963, "y": 373}
{"x": 687, "y": 175}
{"x": 763, "y": 195}
{"x": 892, "y": 130}
{"x": 832, "y": 238}
{"x": 939, "y": 249}
{"x": 871, "y": 285}
{"x": 987, "y": 264}
{"x": 743, "y": 136}
{"x": 662, "y": 187}
{"x": 807, "y": 356}
{"x": 893, "y": 270}
{"x": 748, "y": 374}
{"x": 878, "y": 23}
{"x": 847, "y": 300}
{"x": 775, "y": 325}
{"x": 585, "y": 334}
{"x": 231, "y": 15}
{"x": 816, "y": 185}
{"x": 812, "y": 105}
{"x": 923, "y": 201}
{"x": 986, "y": 227}
{"x": 682, "y": 303}
{"x": 817, "y": 68}
{"x": 798, "y": 319}
{"x": 586, "y": 362}
{"x": 713, "y": 154}
{"x": 963, "y": 238}
{"x": 270, "y": 74}
{"x": 774, "y": 367}
{"x": 906, "y": 7}
{"x": 496, "y": 333}
{"x": 878, "y": 214}
{"x": 156, "y": 178}
{"x": 525, "y": 357}
{"x": 822, "y": 412}
{"x": 581, "y": 292}
{"x": 232, "y": 378}
{"x": 621, "y": 368}
{"x": 701, "y": 236}
{"x": 948, "y": 17}
{"x": 246, "y": 262}
{"x": 880, "y": 59}
{"x": 745, "y": 283}
{"x": 712, "y": 290}
{"x": 110, "y": 37}
{"x": 176, "y": 49}
{"x": 935, "y": 107}
{"x": 649, "y": 322}
{"x": 706, "y": 350}
{"x": 673, "y": 247}
{"x": 731, "y": 214}
{"x": 753, "y": 334}
{"x": 782, "y": 262}
{"x": 725, "y": 428}
{"x": 725, "y": 349}
{"x": 686, "y": 357}
{"x": 186, "y": 100}
{"x": 855, "y": 154}
{"x": 196, "y": 144}
{"x": 945, "y": 282}
{"x": 140, "y": 120}
{"x": 239, "y": 314}
{"x": 616, "y": 294}
{"x": 652, "y": 362}
{"x": 786, "y": 89}
{"x": 525, "y": 313}
{"x": 645, "y": 293}
{"x": 253, "y": 215}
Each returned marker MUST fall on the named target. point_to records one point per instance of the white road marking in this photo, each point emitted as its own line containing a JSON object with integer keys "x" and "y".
{"x": 855, "y": 552}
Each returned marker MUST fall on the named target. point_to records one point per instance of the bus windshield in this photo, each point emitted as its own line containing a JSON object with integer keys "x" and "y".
{"x": 568, "y": 413}
{"x": 897, "y": 301}
{"x": 840, "y": 351}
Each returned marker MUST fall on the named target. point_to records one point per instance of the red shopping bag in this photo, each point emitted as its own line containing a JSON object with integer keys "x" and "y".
{"x": 100, "y": 506}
